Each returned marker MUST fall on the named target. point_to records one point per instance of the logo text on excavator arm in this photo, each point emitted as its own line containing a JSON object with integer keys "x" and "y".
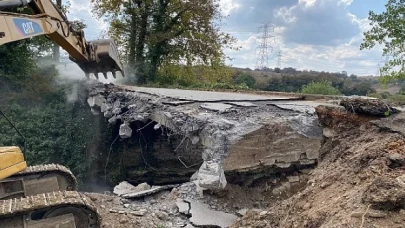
{"x": 27, "y": 27}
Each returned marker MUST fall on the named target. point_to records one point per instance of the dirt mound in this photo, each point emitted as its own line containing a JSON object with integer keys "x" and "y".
{"x": 359, "y": 181}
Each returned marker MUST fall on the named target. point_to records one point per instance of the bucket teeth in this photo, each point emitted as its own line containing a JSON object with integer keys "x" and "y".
{"x": 107, "y": 59}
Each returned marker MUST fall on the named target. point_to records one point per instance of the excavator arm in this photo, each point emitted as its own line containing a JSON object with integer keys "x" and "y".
{"x": 99, "y": 56}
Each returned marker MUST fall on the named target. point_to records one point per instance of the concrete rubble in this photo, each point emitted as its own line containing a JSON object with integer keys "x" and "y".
{"x": 234, "y": 134}
{"x": 128, "y": 191}
{"x": 203, "y": 216}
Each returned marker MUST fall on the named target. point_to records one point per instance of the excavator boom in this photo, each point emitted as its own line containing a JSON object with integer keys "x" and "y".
{"x": 98, "y": 56}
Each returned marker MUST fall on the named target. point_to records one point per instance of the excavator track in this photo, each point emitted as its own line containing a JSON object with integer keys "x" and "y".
{"x": 50, "y": 210}
{"x": 51, "y": 169}
{"x": 37, "y": 180}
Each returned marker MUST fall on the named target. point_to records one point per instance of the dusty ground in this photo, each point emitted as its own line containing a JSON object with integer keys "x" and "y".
{"x": 120, "y": 213}
{"x": 160, "y": 210}
{"x": 354, "y": 185}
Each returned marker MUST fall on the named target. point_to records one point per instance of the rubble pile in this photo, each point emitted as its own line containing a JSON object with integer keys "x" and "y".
{"x": 369, "y": 107}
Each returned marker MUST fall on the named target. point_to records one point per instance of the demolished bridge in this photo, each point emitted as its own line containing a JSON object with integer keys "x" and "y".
{"x": 217, "y": 136}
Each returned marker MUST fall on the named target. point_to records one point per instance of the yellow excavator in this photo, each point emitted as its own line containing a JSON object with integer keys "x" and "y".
{"x": 46, "y": 196}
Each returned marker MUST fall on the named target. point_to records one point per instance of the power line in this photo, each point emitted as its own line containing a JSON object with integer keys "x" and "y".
{"x": 264, "y": 47}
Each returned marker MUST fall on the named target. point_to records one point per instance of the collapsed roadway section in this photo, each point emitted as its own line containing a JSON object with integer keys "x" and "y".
{"x": 225, "y": 136}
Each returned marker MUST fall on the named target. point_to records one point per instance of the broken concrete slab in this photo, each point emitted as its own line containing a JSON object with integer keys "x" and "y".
{"x": 183, "y": 138}
{"x": 183, "y": 206}
{"x": 124, "y": 188}
{"x": 203, "y": 216}
{"x": 216, "y": 107}
{"x": 242, "y": 104}
{"x": 176, "y": 102}
{"x": 152, "y": 191}
{"x": 204, "y": 96}
{"x": 296, "y": 107}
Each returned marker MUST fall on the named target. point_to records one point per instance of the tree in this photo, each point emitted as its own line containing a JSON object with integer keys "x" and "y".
{"x": 322, "y": 87}
{"x": 157, "y": 33}
{"x": 388, "y": 29}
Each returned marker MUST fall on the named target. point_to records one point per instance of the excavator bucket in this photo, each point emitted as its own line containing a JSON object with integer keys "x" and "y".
{"x": 106, "y": 59}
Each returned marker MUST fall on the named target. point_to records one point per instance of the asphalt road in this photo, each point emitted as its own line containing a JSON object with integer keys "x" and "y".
{"x": 207, "y": 96}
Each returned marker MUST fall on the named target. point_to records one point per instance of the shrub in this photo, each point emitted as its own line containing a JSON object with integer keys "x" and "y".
{"x": 321, "y": 87}
{"x": 246, "y": 79}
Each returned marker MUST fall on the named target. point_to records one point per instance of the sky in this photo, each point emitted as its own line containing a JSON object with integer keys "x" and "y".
{"x": 322, "y": 35}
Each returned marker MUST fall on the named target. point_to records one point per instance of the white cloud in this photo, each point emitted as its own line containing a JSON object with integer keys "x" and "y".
{"x": 227, "y": 6}
{"x": 307, "y": 3}
{"x": 346, "y": 2}
{"x": 311, "y": 34}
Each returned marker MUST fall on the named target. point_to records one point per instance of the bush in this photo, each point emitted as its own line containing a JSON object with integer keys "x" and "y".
{"x": 246, "y": 79}
{"x": 397, "y": 98}
{"x": 321, "y": 87}
{"x": 382, "y": 95}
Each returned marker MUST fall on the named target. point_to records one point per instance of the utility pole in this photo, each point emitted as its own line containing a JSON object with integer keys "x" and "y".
{"x": 264, "y": 48}
{"x": 56, "y": 50}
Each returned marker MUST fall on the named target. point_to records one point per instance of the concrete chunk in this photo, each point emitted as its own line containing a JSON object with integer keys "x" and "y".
{"x": 183, "y": 206}
{"x": 211, "y": 176}
{"x": 242, "y": 104}
{"x": 123, "y": 188}
{"x": 96, "y": 101}
{"x": 216, "y": 107}
{"x": 203, "y": 216}
{"x": 152, "y": 191}
{"x": 125, "y": 131}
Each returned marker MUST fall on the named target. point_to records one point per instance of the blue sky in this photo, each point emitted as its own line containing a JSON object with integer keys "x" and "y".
{"x": 310, "y": 34}
{"x": 360, "y": 8}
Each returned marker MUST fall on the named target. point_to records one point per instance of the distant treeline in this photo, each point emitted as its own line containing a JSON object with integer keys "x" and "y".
{"x": 292, "y": 80}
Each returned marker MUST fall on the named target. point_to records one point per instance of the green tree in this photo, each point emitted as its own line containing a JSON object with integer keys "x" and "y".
{"x": 154, "y": 34}
{"x": 321, "y": 87}
{"x": 388, "y": 30}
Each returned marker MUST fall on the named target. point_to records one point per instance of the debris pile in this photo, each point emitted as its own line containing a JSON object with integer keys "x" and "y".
{"x": 369, "y": 107}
